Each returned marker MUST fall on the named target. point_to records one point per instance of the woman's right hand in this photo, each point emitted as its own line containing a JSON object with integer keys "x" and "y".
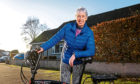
{"x": 41, "y": 50}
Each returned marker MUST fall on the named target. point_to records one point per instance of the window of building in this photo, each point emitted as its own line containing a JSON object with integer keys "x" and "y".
{"x": 57, "y": 48}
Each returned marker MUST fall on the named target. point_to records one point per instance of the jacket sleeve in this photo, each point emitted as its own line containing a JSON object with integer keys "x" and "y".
{"x": 90, "y": 48}
{"x": 55, "y": 39}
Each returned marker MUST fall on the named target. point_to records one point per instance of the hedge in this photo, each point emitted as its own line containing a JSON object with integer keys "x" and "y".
{"x": 118, "y": 40}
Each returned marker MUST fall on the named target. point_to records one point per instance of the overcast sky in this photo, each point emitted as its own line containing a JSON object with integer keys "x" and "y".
{"x": 14, "y": 13}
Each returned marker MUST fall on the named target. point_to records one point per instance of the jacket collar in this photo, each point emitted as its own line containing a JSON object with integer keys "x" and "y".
{"x": 83, "y": 30}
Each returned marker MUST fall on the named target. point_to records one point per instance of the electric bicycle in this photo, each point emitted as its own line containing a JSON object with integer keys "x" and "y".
{"x": 33, "y": 58}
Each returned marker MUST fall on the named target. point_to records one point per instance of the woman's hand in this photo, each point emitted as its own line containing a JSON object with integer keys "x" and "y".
{"x": 41, "y": 50}
{"x": 71, "y": 61}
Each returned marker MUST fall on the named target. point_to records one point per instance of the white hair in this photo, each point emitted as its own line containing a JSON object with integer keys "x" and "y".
{"x": 82, "y": 9}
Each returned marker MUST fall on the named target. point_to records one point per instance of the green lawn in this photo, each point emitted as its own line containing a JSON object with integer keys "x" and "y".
{"x": 54, "y": 75}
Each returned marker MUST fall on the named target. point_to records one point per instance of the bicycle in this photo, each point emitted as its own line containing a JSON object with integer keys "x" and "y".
{"x": 33, "y": 59}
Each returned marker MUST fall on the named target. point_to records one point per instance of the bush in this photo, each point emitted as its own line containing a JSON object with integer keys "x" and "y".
{"x": 118, "y": 40}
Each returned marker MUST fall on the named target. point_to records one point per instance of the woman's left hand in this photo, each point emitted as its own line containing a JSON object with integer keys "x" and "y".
{"x": 71, "y": 61}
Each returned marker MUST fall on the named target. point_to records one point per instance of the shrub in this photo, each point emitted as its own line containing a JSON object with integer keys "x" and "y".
{"x": 118, "y": 40}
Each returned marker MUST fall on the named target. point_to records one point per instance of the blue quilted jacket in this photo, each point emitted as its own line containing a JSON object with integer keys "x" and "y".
{"x": 83, "y": 45}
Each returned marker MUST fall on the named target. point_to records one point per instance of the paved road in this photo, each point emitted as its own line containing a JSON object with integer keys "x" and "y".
{"x": 10, "y": 74}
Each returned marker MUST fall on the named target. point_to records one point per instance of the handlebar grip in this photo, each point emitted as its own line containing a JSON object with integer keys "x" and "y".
{"x": 38, "y": 48}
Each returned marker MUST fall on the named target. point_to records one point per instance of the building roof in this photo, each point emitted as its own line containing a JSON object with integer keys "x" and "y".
{"x": 46, "y": 35}
{"x": 93, "y": 20}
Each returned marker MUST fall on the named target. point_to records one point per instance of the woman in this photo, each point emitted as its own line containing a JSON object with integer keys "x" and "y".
{"x": 79, "y": 42}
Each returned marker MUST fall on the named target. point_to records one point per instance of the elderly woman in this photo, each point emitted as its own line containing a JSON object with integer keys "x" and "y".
{"x": 79, "y": 42}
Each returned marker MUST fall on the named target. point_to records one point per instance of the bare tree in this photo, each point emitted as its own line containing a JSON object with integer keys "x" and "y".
{"x": 32, "y": 28}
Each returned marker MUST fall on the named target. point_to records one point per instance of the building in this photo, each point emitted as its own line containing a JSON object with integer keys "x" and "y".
{"x": 55, "y": 51}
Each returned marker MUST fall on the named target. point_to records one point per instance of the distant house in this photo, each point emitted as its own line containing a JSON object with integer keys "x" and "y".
{"x": 55, "y": 51}
{"x": 4, "y": 53}
{"x": 92, "y": 20}
{"x": 1, "y": 54}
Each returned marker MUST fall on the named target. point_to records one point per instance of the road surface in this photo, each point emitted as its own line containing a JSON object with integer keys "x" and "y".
{"x": 10, "y": 74}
